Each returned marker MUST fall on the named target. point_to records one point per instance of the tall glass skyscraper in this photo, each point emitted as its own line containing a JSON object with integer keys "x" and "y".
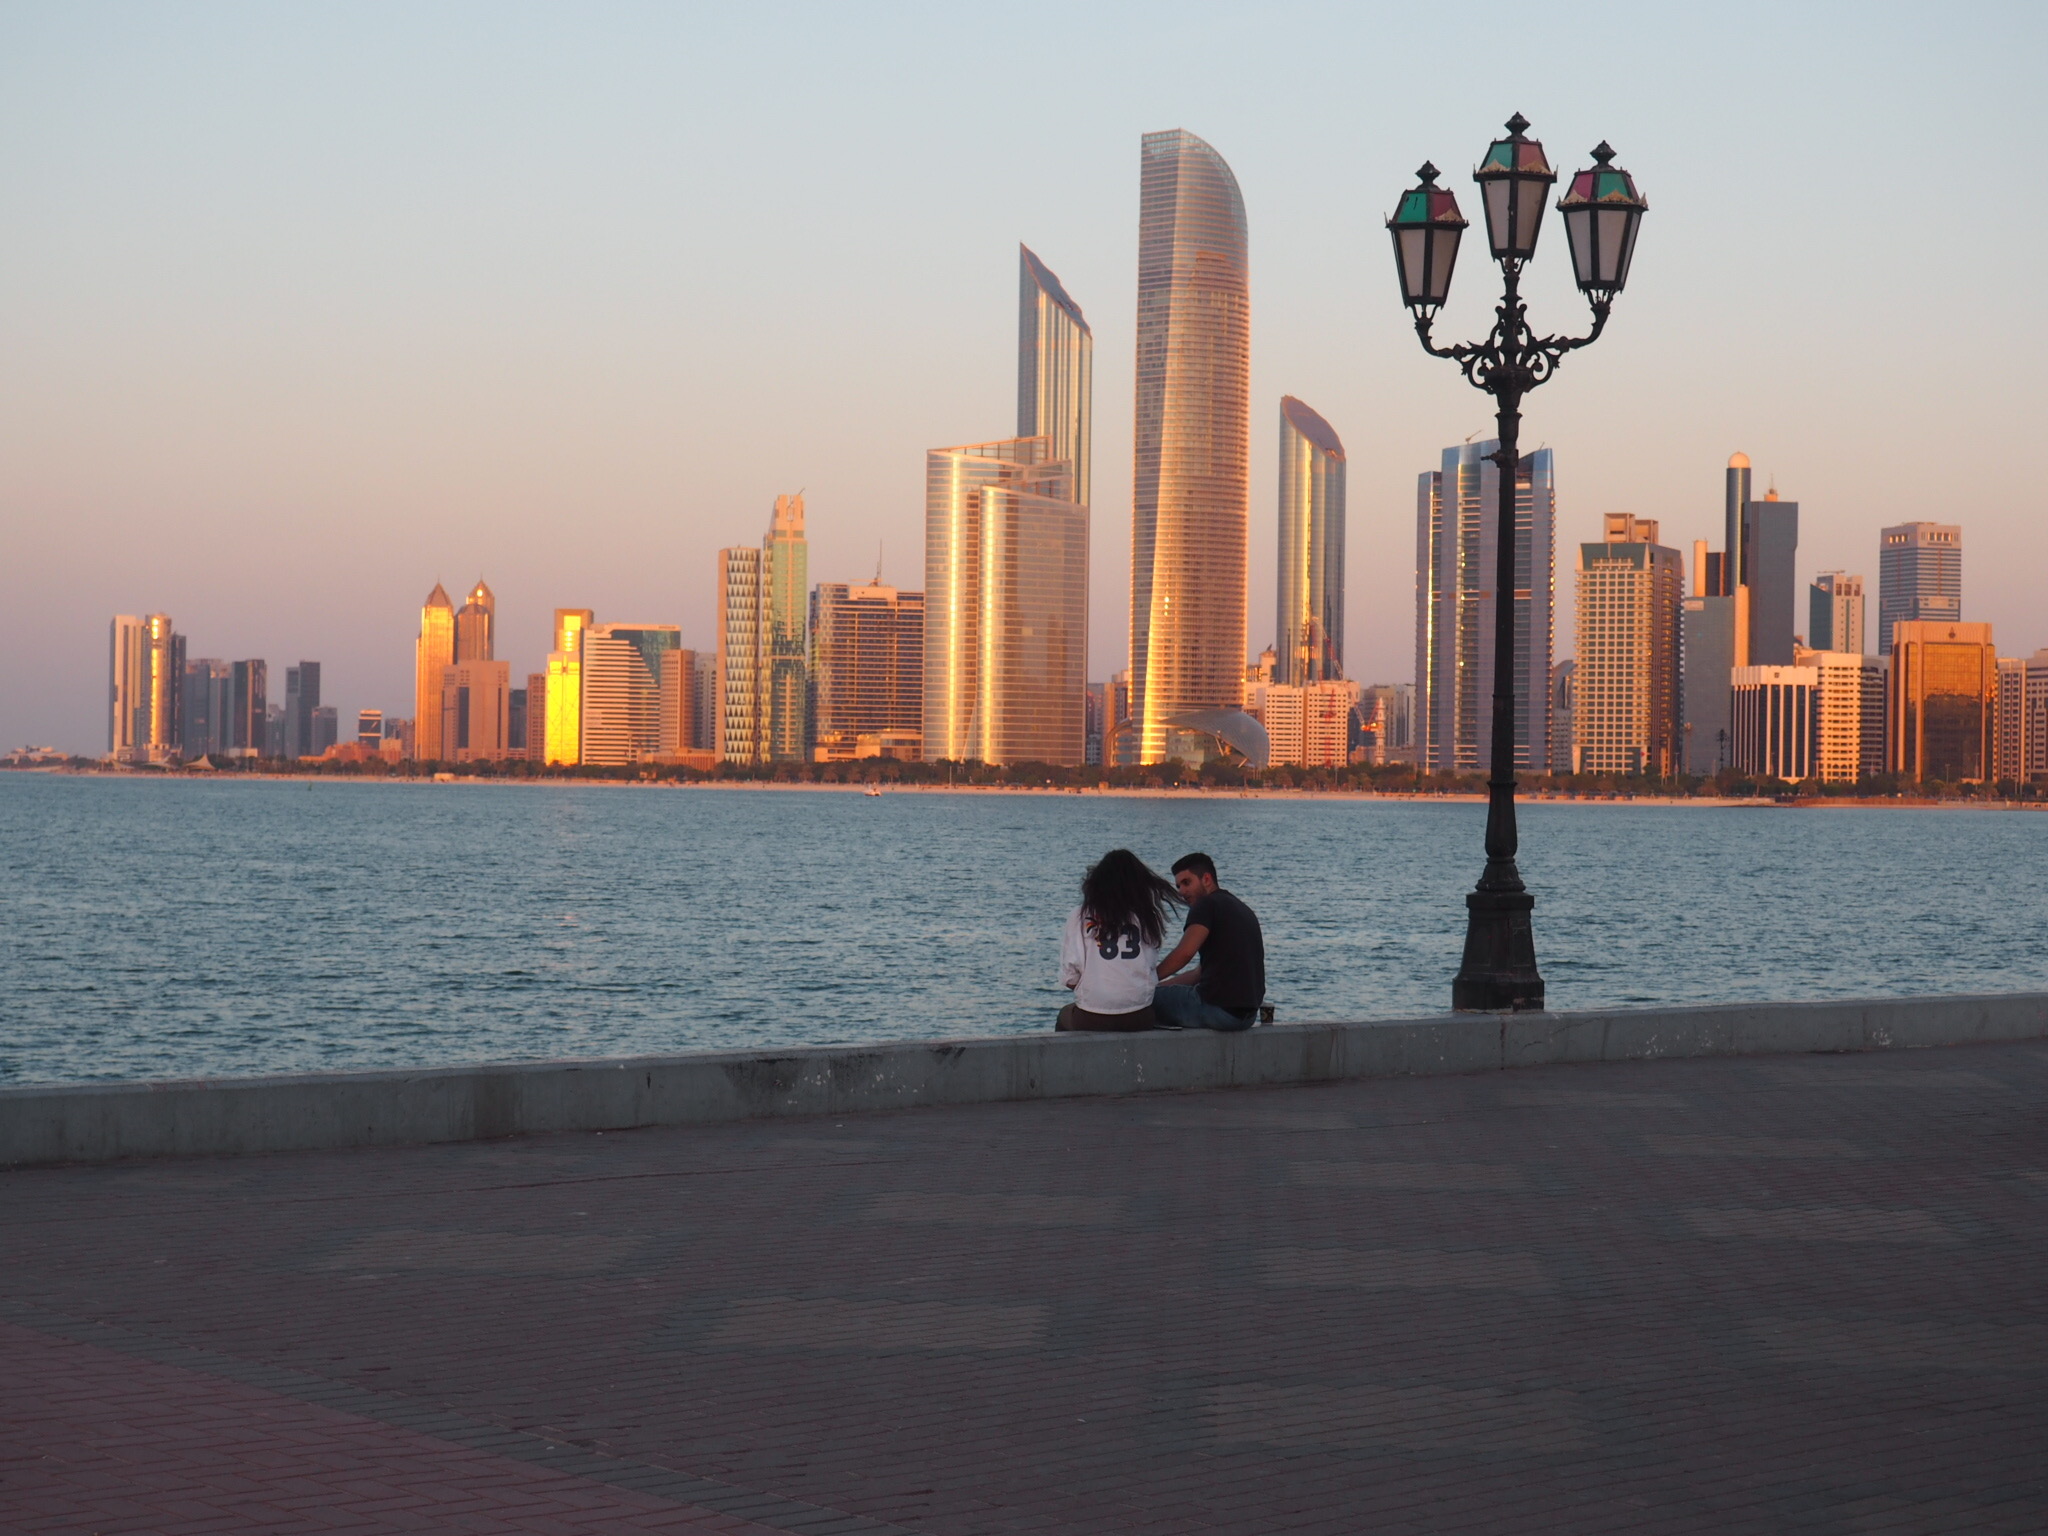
{"x": 1456, "y": 509}
{"x": 1308, "y": 645}
{"x": 432, "y": 656}
{"x": 1006, "y": 604}
{"x": 1055, "y": 368}
{"x": 558, "y": 712}
{"x": 475, "y": 625}
{"x": 1191, "y": 486}
{"x": 1919, "y": 577}
{"x": 763, "y": 643}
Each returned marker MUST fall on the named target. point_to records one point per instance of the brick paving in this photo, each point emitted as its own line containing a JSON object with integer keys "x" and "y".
{"x": 1788, "y": 1294}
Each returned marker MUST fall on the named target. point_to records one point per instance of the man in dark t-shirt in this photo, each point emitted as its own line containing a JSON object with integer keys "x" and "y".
{"x": 1225, "y": 990}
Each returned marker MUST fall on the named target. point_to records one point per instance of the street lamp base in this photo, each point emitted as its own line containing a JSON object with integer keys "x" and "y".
{"x": 1499, "y": 972}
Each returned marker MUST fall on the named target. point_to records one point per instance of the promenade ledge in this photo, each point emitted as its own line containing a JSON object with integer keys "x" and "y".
{"x": 102, "y": 1122}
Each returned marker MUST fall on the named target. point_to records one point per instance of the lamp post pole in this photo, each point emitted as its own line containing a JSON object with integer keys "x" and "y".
{"x": 1602, "y": 212}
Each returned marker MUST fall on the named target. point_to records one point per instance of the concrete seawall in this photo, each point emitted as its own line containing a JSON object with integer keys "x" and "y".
{"x": 98, "y": 1122}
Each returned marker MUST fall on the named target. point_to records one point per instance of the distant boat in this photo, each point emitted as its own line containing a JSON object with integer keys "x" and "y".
{"x": 874, "y": 791}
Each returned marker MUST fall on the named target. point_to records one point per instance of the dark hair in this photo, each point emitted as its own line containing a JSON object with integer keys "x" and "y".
{"x": 1120, "y": 892}
{"x": 1200, "y": 863}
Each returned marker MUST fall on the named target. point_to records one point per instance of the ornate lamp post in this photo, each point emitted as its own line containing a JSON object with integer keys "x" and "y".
{"x": 1602, "y": 212}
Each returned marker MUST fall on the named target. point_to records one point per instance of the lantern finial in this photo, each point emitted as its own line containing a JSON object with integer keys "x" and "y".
{"x": 1516, "y": 124}
{"x": 1428, "y": 174}
{"x": 1604, "y": 153}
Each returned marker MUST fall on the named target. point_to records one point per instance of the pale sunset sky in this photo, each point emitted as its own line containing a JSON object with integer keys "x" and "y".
{"x": 304, "y": 308}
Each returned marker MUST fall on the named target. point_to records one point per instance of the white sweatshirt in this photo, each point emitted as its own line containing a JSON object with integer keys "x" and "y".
{"x": 1116, "y": 976}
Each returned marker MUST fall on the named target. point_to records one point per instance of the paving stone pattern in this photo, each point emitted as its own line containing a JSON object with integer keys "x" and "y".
{"x": 1717, "y": 1296}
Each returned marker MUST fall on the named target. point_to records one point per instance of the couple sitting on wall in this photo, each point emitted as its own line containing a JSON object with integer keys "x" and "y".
{"x": 1110, "y": 957}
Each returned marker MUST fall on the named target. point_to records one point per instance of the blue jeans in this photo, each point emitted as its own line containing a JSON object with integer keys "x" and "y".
{"x": 1183, "y": 1008}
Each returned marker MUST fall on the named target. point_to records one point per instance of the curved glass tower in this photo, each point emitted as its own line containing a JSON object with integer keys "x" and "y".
{"x": 1309, "y": 641}
{"x": 1191, "y": 484}
{"x": 1055, "y": 368}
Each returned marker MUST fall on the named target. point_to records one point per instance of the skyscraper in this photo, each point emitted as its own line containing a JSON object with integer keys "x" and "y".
{"x": 1943, "y": 698}
{"x": 785, "y": 637}
{"x": 1849, "y": 718}
{"x": 1919, "y": 576}
{"x": 560, "y": 709}
{"x": 476, "y": 711}
{"x": 1456, "y": 510}
{"x": 475, "y": 625}
{"x": 867, "y": 669}
{"x": 763, "y": 643}
{"x": 1191, "y": 484}
{"x": 1834, "y": 612}
{"x": 127, "y": 685}
{"x": 1734, "y": 569}
{"x": 209, "y": 701}
{"x": 1309, "y": 639}
{"x": 634, "y": 679}
{"x": 1625, "y": 704}
{"x": 1006, "y": 605}
{"x": 1055, "y": 369}
{"x": 301, "y": 702}
{"x": 432, "y": 654}
{"x": 250, "y": 710}
{"x": 1770, "y": 550}
{"x": 1715, "y": 633}
{"x": 145, "y": 687}
{"x": 738, "y": 705}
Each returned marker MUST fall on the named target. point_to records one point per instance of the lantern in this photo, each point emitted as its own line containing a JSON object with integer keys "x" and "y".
{"x": 1514, "y": 179}
{"x": 1426, "y": 228}
{"x": 1602, "y": 211}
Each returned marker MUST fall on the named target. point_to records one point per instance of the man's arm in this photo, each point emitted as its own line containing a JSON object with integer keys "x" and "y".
{"x": 1191, "y": 941}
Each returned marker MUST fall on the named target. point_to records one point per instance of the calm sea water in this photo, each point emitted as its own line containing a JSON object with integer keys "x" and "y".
{"x": 164, "y": 929}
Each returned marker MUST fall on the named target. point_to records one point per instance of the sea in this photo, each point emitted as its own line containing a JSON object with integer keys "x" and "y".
{"x": 172, "y": 928}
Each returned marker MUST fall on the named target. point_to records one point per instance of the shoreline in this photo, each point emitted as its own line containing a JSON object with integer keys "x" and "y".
{"x": 1221, "y": 792}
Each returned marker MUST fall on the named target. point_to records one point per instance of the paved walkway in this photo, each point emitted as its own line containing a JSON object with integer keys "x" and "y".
{"x": 1769, "y": 1295}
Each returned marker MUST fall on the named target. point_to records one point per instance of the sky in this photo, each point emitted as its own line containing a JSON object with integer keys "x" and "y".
{"x": 305, "y": 308}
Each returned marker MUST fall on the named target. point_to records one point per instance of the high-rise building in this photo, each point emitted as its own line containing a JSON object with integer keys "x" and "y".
{"x": 533, "y": 746}
{"x": 1006, "y": 605}
{"x": 1055, "y": 370}
{"x": 1562, "y": 704}
{"x": 1776, "y": 713}
{"x": 1095, "y": 703}
{"x": 1388, "y": 710}
{"x": 475, "y": 625}
{"x": 1919, "y": 577}
{"x": 273, "y": 732}
{"x": 145, "y": 688}
{"x": 763, "y": 644}
{"x": 1834, "y": 613}
{"x": 867, "y": 668}
{"x": 515, "y": 719}
{"x": 326, "y": 728}
{"x": 1849, "y": 715}
{"x": 433, "y": 653}
{"x": 1457, "y": 510}
{"x": 1626, "y": 716}
{"x": 370, "y": 728}
{"x": 1308, "y": 725}
{"x": 476, "y": 711}
{"x": 1309, "y": 641}
{"x": 738, "y": 707}
{"x": 1715, "y": 643}
{"x": 785, "y": 640}
{"x": 560, "y": 713}
{"x": 1770, "y": 562}
{"x": 1733, "y": 569}
{"x": 249, "y": 716}
{"x": 703, "y": 730}
{"x": 301, "y": 702}
{"x": 2021, "y": 748}
{"x": 1943, "y": 701}
{"x": 208, "y": 704}
{"x": 127, "y": 685}
{"x": 634, "y": 678}
{"x": 1119, "y": 730}
{"x": 1191, "y": 485}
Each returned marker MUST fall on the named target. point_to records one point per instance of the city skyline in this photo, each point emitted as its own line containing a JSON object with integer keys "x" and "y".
{"x": 298, "y": 469}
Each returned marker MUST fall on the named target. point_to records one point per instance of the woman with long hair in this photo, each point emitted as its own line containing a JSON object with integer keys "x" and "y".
{"x": 1110, "y": 955}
